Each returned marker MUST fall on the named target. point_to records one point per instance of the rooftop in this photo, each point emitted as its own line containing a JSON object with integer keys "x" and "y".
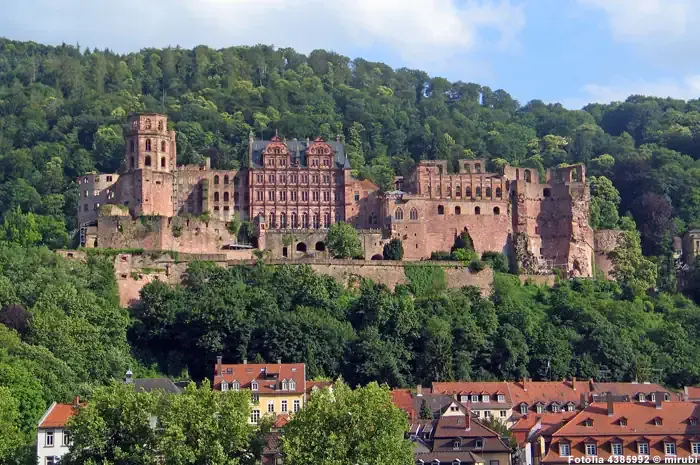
{"x": 57, "y": 416}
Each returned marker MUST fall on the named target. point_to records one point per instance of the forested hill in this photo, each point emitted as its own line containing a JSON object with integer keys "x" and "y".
{"x": 63, "y": 109}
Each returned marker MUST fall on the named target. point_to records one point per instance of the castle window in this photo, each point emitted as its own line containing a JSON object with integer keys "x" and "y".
{"x": 468, "y": 191}
{"x": 148, "y": 160}
{"x": 478, "y": 191}
{"x": 295, "y": 222}
{"x": 458, "y": 210}
{"x": 148, "y": 123}
{"x": 477, "y": 210}
{"x": 163, "y": 146}
{"x": 148, "y": 145}
{"x": 477, "y": 167}
{"x": 216, "y": 180}
{"x": 162, "y": 162}
{"x": 441, "y": 210}
{"x": 547, "y": 192}
{"x": 314, "y": 162}
{"x": 216, "y": 196}
{"x": 467, "y": 168}
{"x": 528, "y": 176}
{"x": 496, "y": 211}
{"x": 131, "y": 162}
{"x": 414, "y": 214}
{"x": 398, "y": 214}
{"x": 259, "y": 195}
{"x": 326, "y": 162}
{"x": 317, "y": 221}
{"x": 283, "y": 220}
{"x": 373, "y": 218}
{"x": 109, "y": 178}
{"x": 499, "y": 193}
{"x": 272, "y": 220}
{"x": 458, "y": 191}
{"x": 304, "y": 220}
{"x": 449, "y": 190}
{"x": 131, "y": 146}
{"x": 226, "y": 179}
{"x": 326, "y": 220}
{"x": 314, "y": 195}
{"x": 488, "y": 192}
{"x": 226, "y": 197}
{"x": 160, "y": 125}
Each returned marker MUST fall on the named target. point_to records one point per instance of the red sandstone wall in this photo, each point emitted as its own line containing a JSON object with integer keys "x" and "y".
{"x": 606, "y": 240}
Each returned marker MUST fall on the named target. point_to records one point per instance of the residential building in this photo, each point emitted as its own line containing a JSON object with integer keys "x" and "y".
{"x": 53, "y": 437}
{"x": 663, "y": 431}
{"x": 275, "y": 388}
{"x": 533, "y": 433}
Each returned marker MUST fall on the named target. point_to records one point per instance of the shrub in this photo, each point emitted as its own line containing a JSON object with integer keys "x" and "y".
{"x": 477, "y": 265}
{"x": 393, "y": 250}
{"x": 497, "y": 261}
{"x": 441, "y": 255}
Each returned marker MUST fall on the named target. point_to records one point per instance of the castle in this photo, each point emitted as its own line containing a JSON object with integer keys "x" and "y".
{"x": 293, "y": 191}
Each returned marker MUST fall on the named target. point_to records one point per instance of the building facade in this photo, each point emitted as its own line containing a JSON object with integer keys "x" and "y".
{"x": 294, "y": 190}
{"x": 53, "y": 438}
{"x": 276, "y": 389}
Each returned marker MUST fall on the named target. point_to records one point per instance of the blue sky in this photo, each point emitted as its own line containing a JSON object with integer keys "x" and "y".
{"x": 569, "y": 51}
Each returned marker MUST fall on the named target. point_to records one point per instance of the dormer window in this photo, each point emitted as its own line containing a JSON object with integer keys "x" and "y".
{"x": 641, "y": 397}
{"x": 653, "y": 397}
{"x": 285, "y": 385}
{"x": 254, "y": 386}
{"x": 555, "y": 408}
{"x": 464, "y": 398}
{"x": 667, "y": 396}
{"x": 539, "y": 408}
{"x": 479, "y": 443}
{"x": 564, "y": 450}
{"x": 693, "y": 421}
{"x": 658, "y": 421}
{"x": 670, "y": 448}
{"x": 623, "y": 422}
{"x": 501, "y": 398}
{"x": 224, "y": 386}
{"x": 457, "y": 445}
{"x": 236, "y": 386}
{"x": 570, "y": 407}
{"x": 523, "y": 409}
{"x": 485, "y": 398}
{"x": 292, "y": 385}
{"x": 475, "y": 398}
{"x": 588, "y": 422}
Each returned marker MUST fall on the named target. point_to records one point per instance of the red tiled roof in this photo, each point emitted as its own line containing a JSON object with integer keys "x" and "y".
{"x": 492, "y": 388}
{"x": 606, "y": 428}
{"x": 269, "y": 376}
{"x": 547, "y": 392}
{"x": 310, "y": 385}
{"x": 459, "y": 426}
{"x": 58, "y": 416}
{"x": 281, "y": 420}
{"x": 403, "y": 399}
{"x": 692, "y": 392}
{"x": 628, "y": 388}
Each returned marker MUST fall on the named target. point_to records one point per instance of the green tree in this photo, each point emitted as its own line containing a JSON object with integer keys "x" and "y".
{"x": 11, "y": 437}
{"x": 425, "y": 412}
{"x": 635, "y": 272}
{"x": 343, "y": 241}
{"x": 393, "y": 250}
{"x": 348, "y": 426}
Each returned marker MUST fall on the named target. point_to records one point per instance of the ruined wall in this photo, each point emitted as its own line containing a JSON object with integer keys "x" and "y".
{"x": 185, "y": 235}
{"x": 606, "y": 240}
{"x": 311, "y": 243}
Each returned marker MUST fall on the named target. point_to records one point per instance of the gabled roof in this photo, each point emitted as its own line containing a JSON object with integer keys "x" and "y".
{"x": 692, "y": 392}
{"x": 156, "y": 384}
{"x": 298, "y": 151}
{"x": 57, "y": 415}
{"x": 628, "y": 388}
{"x": 269, "y": 376}
{"x": 492, "y": 388}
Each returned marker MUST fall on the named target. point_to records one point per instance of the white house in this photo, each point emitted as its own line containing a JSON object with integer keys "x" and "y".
{"x": 53, "y": 439}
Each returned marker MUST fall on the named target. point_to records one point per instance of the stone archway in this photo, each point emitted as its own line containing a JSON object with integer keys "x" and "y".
{"x": 301, "y": 247}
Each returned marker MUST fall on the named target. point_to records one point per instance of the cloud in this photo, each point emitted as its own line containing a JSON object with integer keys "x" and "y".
{"x": 418, "y": 31}
{"x": 618, "y": 91}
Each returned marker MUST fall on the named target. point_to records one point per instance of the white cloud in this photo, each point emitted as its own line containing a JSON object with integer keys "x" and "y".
{"x": 618, "y": 91}
{"x": 419, "y": 31}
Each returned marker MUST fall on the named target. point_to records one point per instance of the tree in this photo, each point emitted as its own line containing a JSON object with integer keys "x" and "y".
{"x": 632, "y": 270}
{"x": 393, "y": 250}
{"x": 343, "y": 241}
{"x": 15, "y": 317}
{"x": 346, "y": 426}
{"x": 11, "y": 438}
{"x": 425, "y": 412}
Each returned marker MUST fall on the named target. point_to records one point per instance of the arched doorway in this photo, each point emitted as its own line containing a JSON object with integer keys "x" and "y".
{"x": 301, "y": 247}
{"x": 377, "y": 257}
{"x": 320, "y": 247}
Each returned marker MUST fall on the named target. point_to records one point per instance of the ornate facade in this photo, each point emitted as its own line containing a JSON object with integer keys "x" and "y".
{"x": 295, "y": 190}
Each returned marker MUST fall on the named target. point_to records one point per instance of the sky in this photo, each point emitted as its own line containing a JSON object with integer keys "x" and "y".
{"x": 569, "y": 51}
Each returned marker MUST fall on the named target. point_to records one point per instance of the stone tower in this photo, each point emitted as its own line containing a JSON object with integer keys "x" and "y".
{"x": 146, "y": 182}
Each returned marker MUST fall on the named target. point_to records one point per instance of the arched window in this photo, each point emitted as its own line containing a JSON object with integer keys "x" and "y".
{"x": 458, "y": 191}
{"x": 216, "y": 196}
{"x": 326, "y": 220}
{"x": 398, "y": 214}
{"x": 148, "y": 123}
{"x": 496, "y": 211}
{"x": 148, "y": 145}
{"x": 304, "y": 220}
{"x": 163, "y": 146}
{"x": 528, "y": 176}
{"x": 499, "y": 193}
{"x": 162, "y": 162}
{"x": 272, "y": 220}
{"x": 441, "y": 210}
{"x": 478, "y": 191}
{"x": 226, "y": 197}
{"x": 488, "y": 192}
{"x": 458, "y": 210}
{"x": 216, "y": 180}
{"x": 547, "y": 192}
{"x": 301, "y": 247}
{"x": 317, "y": 221}
{"x": 295, "y": 220}
{"x": 148, "y": 160}
{"x": 320, "y": 246}
{"x": 283, "y": 219}
{"x": 226, "y": 179}
{"x": 477, "y": 210}
{"x": 468, "y": 191}
{"x": 413, "y": 214}
{"x": 131, "y": 146}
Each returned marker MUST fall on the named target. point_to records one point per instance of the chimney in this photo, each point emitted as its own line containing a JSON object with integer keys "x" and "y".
{"x": 469, "y": 420}
{"x": 573, "y": 383}
{"x": 525, "y": 384}
{"x": 279, "y": 361}
{"x": 583, "y": 401}
{"x": 219, "y": 360}
{"x": 419, "y": 390}
{"x": 245, "y": 361}
{"x": 129, "y": 378}
{"x": 659, "y": 400}
{"x": 611, "y": 405}
{"x": 76, "y": 401}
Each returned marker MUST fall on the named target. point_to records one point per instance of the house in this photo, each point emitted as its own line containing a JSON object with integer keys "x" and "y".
{"x": 533, "y": 433}
{"x": 437, "y": 405}
{"x": 276, "y": 388}
{"x": 661, "y": 430}
{"x": 53, "y": 438}
{"x": 486, "y": 399}
{"x": 165, "y": 385}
